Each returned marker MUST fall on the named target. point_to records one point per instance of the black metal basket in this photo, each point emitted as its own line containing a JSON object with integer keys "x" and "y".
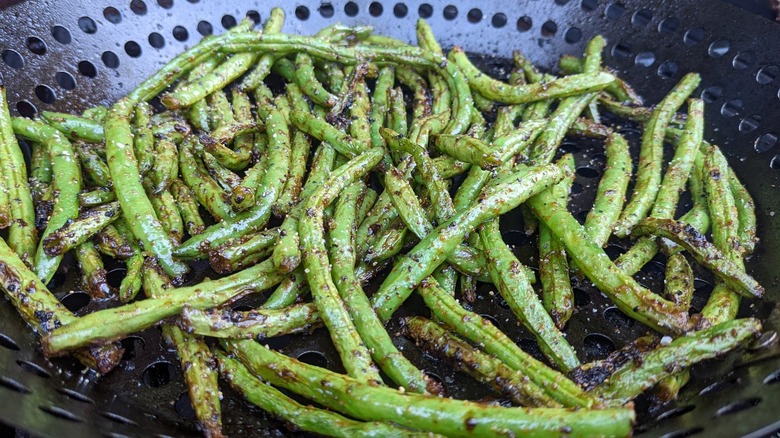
{"x": 68, "y": 56}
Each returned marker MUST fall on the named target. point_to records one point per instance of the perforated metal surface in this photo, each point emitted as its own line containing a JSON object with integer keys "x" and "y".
{"x": 71, "y": 55}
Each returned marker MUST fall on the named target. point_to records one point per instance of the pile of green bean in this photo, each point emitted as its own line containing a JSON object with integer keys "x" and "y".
{"x": 309, "y": 166}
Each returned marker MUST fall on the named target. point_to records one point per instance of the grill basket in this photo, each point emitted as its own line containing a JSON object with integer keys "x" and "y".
{"x": 68, "y": 56}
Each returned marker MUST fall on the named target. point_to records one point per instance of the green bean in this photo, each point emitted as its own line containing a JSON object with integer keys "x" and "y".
{"x": 648, "y": 177}
{"x": 704, "y": 252}
{"x": 198, "y": 113}
{"x": 284, "y": 68}
{"x": 619, "y": 89}
{"x": 143, "y": 137}
{"x": 680, "y": 167}
{"x": 359, "y": 111}
{"x": 468, "y": 149}
{"x": 230, "y": 256}
{"x": 323, "y": 131}
{"x": 407, "y": 203}
{"x": 584, "y": 127}
{"x": 306, "y": 418}
{"x": 95, "y": 170}
{"x": 436, "y": 246}
{"x": 447, "y": 277}
{"x": 624, "y": 291}
{"x": 168, "y": 213}
{"x": 170, "y": 126}
{"x": 442, "y": 202}
{"x": 124, "y": 170}
{"x": 115, "y": 323}
{"x": 354, "y": 354}
{"x": 468, "y": 288}
{"x": 449, "y": 167}
{"x": 311, "y": 87}
{"x": 667, "y": 389}
{"x": 197, "y": 178}
{"x": 478, "y": 128}
{"x": 299, "y": 157}
{"x": 539, "y": 109}
{"x": 646, "y": 247}
{"x": 366, "y": 204}
{"x": 565, "y": 114}
{"x": 396, "y": 116}
{"x": 370, "y": 329}
{"x": 434, "y": 339}
{"x": 425, "y": 37}
{"x": 292, "y": 287}
{"x": 166, "y": 164}
{"x": 42, "y": 310}
{"x": 215, "y": 144}
{"x": 632, "y": 379}
{"x": 381, "y": 214}
{"x": 514, "y": 287}
{"x": 338, "y": 33}
{"x": 723, "y": 303}
{"x": 133, "y": 279}
{"x": 94, "y": 198}
{"x": 78, "y": 231}
{"x": 112, "y": 243}
{"x": 333, "y": 76}
{"x": 481, "y": 331}
{"x": 514, "y": 94}
{"x": 379, "y": 103}
{"x": 482, "y": 103}
{"x": 201, "y": 378}
{"x": 557, "y": 294}
{"x": 746, "y": 212}
{"x": 611, "y": 191}
{"x": 243, "y": 144}
{"x": 66, "y": 185}
{"x": 287, "y": 254}
{"x": 439, "y": 415}
{"x": 252, "y": 324}
{"x": 224, "y": 177}
{"x": 43, "y": 209}
{"x": 678, "y": 283}
{"x": 696, "y": 178}
{"x": 40, "y": 170}
{"x": 236, "y": 65}
{"x": 17, "y": 210}
{"x": 75, "y": 127}
{"x": 263, "y": 65}
{"x": 91, "y": 265}
{"x": 421, "y": 102}
{"x": 188, "y": 207}
{"x": 386, "y": 244}
{"x": 220, "y": 110}
{"x": 96, "y": 113}
{"x": 243, "y": 196}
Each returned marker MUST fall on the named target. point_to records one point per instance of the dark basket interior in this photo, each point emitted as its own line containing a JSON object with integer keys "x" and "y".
{"x": 68, "y": 56}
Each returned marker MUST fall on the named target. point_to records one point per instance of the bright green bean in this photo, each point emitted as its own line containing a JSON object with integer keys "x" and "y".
{"x": 354, "y": 354}
{"x": 611, "y": 191}
{"x": 648, "y": 177}
{"x": 66, "y": 184}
